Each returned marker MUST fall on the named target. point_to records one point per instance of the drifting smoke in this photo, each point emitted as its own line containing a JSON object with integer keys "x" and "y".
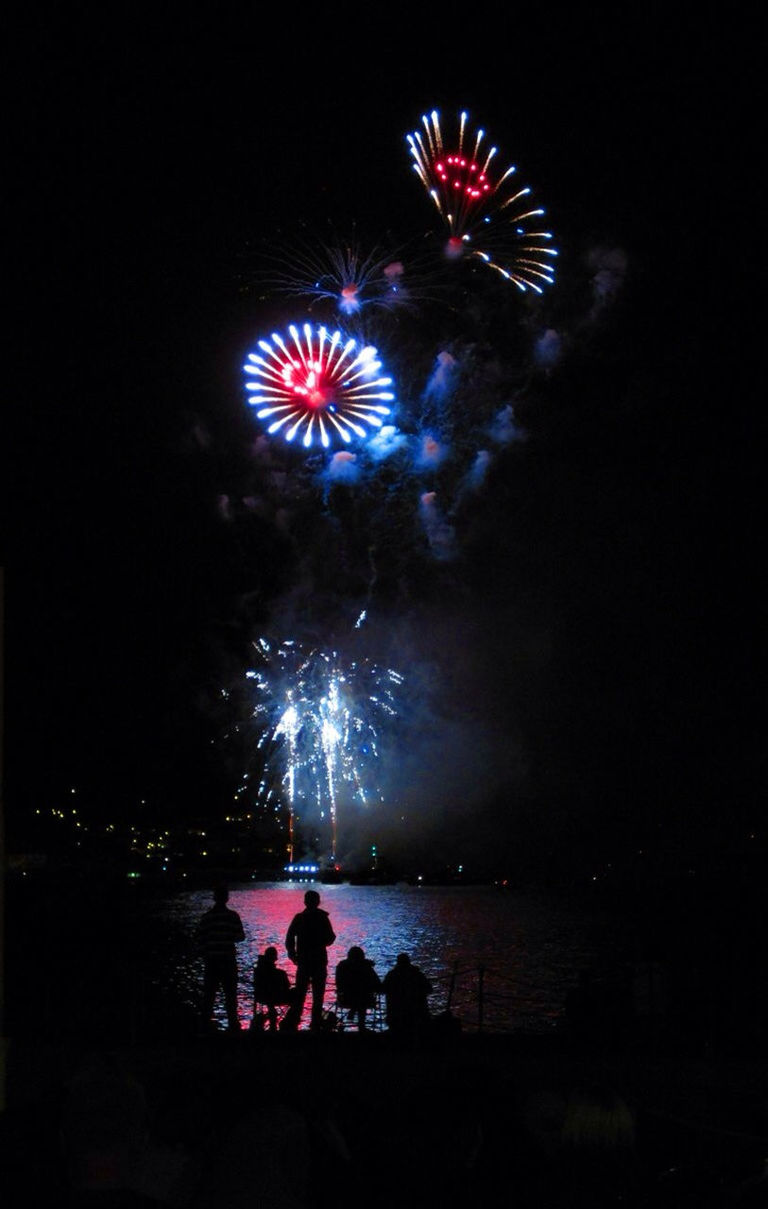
{"x": 430, "y": 453}
{"x": 373, "y": 752}
{"x": 201, "y": 436}
{"x": 394, "y": 273}
{"x": 547, "y": 349}
{"x": 456, "y": 744}
{"x": 443, "y": 376}
{"x": 479, "y": 469}
{"x": 609, "y": 268}
{"x": 440, "y": 534}
{"x": 343, "y": 468}
{"x": 386, "y": 442}
{"x": 425, "y": 488}
{"x": 505, "y": 429}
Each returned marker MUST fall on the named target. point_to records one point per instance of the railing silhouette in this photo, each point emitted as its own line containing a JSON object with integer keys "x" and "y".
{"x": 482, "y": 999}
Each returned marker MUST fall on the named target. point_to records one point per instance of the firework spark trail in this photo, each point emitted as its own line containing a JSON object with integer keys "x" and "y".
{"x": 319, "y": 718}
{"x": 486, "y": 215}
{"x": 321, "y": 385}
{"x": 344, "y": 275}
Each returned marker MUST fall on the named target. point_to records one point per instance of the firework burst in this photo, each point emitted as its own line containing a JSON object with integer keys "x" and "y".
{"x": 320, "y": 718}
{"x": 485, "y": 212}
{"x": 344, "y": 276}
{"x": 317, "y": 385}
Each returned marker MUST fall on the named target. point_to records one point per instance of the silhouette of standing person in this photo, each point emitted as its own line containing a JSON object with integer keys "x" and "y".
{"x": 306, "y": 942}
{"x": 406, "y": 990}
{"x": 357, "y": 984}
{"x": 218, "y": 932}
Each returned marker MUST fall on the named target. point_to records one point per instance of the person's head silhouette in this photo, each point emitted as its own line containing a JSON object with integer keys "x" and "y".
{"x": 311, "y": 899}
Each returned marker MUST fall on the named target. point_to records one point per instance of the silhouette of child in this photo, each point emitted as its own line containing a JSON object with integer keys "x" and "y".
{"x": 271, "y": 988}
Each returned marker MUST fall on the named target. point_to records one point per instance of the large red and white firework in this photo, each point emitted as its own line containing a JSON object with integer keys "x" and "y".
{"x": 317, "y": 386}
{"x": 485, "y": 212}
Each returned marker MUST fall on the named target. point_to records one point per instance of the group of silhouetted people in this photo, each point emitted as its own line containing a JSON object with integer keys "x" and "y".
{"x": 309, "y": 936}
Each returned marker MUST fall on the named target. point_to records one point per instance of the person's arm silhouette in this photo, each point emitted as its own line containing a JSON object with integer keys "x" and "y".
{"x": 290, "y": 940}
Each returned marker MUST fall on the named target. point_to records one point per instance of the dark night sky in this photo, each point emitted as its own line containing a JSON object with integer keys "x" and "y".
{"x": 612, "y": 641}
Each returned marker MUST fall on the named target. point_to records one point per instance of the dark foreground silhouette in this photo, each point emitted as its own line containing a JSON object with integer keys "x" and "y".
{"x": 357, "y": 986}
{"x": 271, "y": 990}
{"x": 229, "y": 1124}
{"x": 307, "y": 941}
{"x": 219, "y": 930}
{"x": 407, "y": 990}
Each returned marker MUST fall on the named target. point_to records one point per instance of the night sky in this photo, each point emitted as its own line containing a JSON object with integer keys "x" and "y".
{"x": 581, "y": 671}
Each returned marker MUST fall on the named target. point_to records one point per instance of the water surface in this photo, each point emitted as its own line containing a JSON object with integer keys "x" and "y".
{"x": 529, "y": 948}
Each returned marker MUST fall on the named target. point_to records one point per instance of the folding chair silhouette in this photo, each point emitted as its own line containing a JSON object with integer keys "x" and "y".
{"x": 272, "y": 992}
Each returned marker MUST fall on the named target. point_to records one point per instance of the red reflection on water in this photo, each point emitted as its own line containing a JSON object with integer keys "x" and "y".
{"x": 529, "y": 947}
{"x": 266, "y": 912}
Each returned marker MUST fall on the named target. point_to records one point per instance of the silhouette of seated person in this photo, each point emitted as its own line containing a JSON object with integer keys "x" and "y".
{"x": 271, "y": 988}
{"x": 406, "y": 990}
{"x": 357, "y": 985}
